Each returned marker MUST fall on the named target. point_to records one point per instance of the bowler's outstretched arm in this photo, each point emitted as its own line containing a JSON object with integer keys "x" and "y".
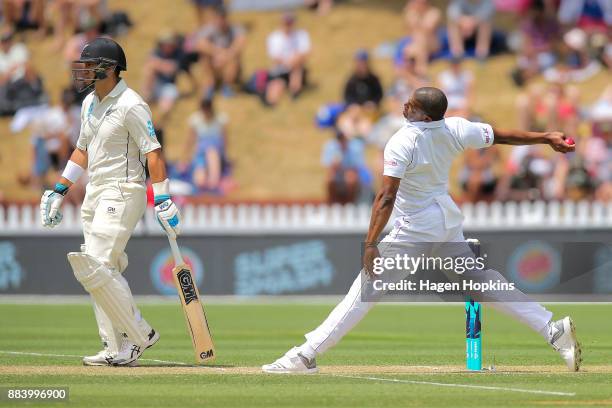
{"x": 557, "y": 140}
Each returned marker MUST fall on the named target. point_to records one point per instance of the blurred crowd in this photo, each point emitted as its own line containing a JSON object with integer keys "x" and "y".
{"x": 558, "y": 45}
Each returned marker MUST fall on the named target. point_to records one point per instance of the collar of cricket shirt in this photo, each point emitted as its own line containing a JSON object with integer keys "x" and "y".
{"x": 428, "y": 125}
{"x": 116, "y": 91}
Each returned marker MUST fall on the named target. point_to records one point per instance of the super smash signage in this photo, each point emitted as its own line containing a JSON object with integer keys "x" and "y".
{"x": 303, "y": 264}
{"x": 11, "y": 274}
{"x": 283, "y": 269}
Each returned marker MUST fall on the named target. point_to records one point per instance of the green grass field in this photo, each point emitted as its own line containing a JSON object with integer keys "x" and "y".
{"x": 400, "y": 355}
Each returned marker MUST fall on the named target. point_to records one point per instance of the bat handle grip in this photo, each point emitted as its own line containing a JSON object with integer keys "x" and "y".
{"x": 176, "y": 252}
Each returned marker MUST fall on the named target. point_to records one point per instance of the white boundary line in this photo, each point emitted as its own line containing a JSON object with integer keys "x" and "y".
{"x": 478, "y": 387}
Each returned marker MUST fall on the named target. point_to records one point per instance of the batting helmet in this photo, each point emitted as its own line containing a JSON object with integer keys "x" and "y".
{"x": 104, "y": 53}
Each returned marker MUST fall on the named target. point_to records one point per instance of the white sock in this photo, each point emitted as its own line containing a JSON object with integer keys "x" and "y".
{"x": 307, "y": 351}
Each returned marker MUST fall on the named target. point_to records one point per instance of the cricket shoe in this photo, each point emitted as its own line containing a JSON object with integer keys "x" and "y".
{"x": 130, "y": 352}
{"x": 100, "y": 359}
{"x": 562, "y": 334}
{"x": 293, "y": 362}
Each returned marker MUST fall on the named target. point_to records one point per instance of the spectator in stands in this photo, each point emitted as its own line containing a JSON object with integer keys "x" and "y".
{"x": 576, "y": 63}
{"x": 323, "y": 7}
{"x": 597, "y": 149}
{"x": 72, "y": 115}
{"x": 87, "y": 32}
{"x": 51, "y": 144}
{"x": 344, "y": 160}
{"x": 588, "y": 15}
{"x": 458, "y": 85}
{"x": 538, "y": 35}
{"x": 547, "y": 108}
{"x": 20, "y": 85}
{"x": 363, "y": 88}
{"x": 288, "y": 48}
{"x": 72, "y": 15}
{"x": 160, "y": 73}
{"x": 468, "y": 19}
{"x": 477, "y": 177}
{"x": 528, "y": 175}
{"x": 407, "y": 79}
{"x": 24, "y": 14}
{"x": 220, "y": 46}
{"x": 422, "y": 22}
{"x": 362, "y": 95}
{"x": 14, "y": 58}
{"x": 204, "y": 7}
{"x": 587, "y": 173}
{"x": 206, "y": 146}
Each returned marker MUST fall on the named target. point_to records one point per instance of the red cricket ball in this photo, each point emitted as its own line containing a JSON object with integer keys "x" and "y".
{"x": 570, "y": 141}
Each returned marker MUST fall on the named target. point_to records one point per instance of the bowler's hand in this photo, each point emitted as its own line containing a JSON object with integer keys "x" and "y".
{"x": 559, "y": 142}
{"x": 370, "y": 253}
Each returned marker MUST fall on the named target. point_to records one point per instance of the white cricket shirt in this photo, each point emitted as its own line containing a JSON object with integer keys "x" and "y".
{"x": 421, "y": 154}
{"x": 117, "y": 132}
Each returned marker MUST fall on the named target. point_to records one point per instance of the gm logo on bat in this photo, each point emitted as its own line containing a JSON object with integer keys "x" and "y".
{"x": 206, "y": 354}
{"x": 187, "y": 287}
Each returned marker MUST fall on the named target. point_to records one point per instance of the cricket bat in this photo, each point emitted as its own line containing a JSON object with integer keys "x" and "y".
{"x": 473, "y": 310}
{"x": 194, "y": 313}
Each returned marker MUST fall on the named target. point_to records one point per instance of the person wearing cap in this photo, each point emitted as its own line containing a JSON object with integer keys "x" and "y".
{"x": 363, "y": 87}
{"x": 288, "y": 48}
{"x": 362, "y": 96}
{"x": 116, "y": 144}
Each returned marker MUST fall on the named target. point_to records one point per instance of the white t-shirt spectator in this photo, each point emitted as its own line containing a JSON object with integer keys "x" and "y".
{"x": 456, "y": 86}
{"x": 49, "y": 126}
{"x": 17, "y": 55}
{"x": 421, "y": 154}
{"x": 283, "y": 46}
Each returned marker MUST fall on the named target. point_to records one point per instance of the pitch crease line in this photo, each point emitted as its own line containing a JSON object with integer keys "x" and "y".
{"x": 478, "y": 387}
{"x": 26, "y": 353}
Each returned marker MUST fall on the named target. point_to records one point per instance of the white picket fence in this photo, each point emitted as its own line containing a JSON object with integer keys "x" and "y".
{"x": 242, "y": 219}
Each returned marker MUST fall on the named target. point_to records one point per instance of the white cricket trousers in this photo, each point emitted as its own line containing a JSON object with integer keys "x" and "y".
{"x": 415, "y": 235}
{"x": 110, "y": 213}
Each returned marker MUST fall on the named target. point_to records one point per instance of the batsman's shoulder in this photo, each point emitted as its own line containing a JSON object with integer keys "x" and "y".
{"x": 129, "y": 99}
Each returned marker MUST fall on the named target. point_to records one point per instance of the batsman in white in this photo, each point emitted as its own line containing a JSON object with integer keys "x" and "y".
{"x": 116, "y": 139}
{"x": 417, "y": 161}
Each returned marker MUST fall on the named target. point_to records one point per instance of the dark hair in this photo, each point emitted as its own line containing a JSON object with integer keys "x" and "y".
{"x": 207, "y": 104}
{"x": 432, "y": 101}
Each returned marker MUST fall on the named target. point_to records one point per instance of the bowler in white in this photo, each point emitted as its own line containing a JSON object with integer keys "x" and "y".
{"x": 417, "y": 162}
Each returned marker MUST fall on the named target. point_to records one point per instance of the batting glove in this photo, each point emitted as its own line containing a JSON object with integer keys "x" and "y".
{"x": 50, "y": 203}
{"x": 168, "y": 215}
